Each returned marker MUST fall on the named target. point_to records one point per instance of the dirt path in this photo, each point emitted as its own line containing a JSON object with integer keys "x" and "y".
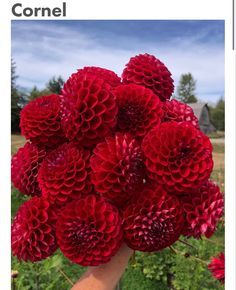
{"x": 17, "y": 141}
{"x": 219, "y": 160}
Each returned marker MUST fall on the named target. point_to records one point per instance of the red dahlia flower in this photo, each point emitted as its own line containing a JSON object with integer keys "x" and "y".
{"x": 105, "y": 74}
{"x": 147, "y": 70}
{"x": 153, "y": 221}
{"x": 41, "y": 123}
{"x": 65, "y": 174}
{"x": 89, "y": 231}
{"x": 118, "y": 168}
{"x": 139, "y": 109}
{"x": 179, "y": 112}
{"x": 24, "y": 169}
{"x": 203, "y": 208}
{"x": 32, "y": 235}
{"x": 179, "y": 156}
{"x": 88, "y": 109}
{"x": 217, "y": 267}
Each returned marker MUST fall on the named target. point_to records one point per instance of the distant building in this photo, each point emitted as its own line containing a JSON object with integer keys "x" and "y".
{"x": 202, "y": 112}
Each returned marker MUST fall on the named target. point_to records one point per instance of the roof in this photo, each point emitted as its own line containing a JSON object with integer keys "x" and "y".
{"x": 197, "y": 108}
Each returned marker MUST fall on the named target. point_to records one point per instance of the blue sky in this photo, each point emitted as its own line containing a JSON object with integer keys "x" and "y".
{"x": 42, "y": 49}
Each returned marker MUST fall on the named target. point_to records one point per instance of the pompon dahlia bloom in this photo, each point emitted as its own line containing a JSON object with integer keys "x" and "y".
{"x": 89, "y": 230}
{"x": 147, "y": 70}
{"x": 88, "y": 109}
{"x": 178, "y": 156}
{"x": 32, "y": 235}
{"x": 139, "y": 109}
{"x": 217, "y": 267}
{"x": 65, "y": 174}
{"x": 118, "y": 168}
{"x": 179, "y": 112}
{"x": 153, "y": 221}
{"x": 202, "y": 208}
{"x": 107, "y": 75}
{"x": 41, "y": 123}
{"x": 24, "y": 169}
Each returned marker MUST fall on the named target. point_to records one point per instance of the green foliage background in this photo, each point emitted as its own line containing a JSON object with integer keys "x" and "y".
{"x": 217, "y": 115}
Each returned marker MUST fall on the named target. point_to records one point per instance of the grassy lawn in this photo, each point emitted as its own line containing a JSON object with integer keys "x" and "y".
{"x": 217, "y": 134}
{"x": 17, "y": 141}
{"x": 162, "y": 270}
{"x": 218, "y": 148}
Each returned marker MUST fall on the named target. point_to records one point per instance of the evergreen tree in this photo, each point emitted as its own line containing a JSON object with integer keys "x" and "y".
{"x": 35, "y": 93}
{"x": 55, "y": 85}
{"x": 186, "y": 89}
{"x": 15, "y": 98}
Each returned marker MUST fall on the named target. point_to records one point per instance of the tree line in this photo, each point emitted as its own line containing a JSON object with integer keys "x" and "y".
{"x": 185, "y": 93}
{"x": 19, "y": 99}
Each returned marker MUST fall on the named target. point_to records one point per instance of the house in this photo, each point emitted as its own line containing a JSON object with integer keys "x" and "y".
{"x": 202, "y": 112}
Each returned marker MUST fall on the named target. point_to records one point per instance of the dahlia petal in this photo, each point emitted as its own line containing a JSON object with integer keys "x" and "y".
{"x": 87, "y": 223}
{"x": 179, "y": 139}
{"x": 184, "y": 171}
{"x": 118, "y": 168}
{"x": 24, "y": 169}
{"x": 149, "y": 220}
{"x": 147, "y": 70}
{"x": 88, "y": 108}
{"x": 177, "y": 111}
{"x": 41, "y": 121}
{"x": 65, "y": 174}
{"x": 203, "y": 208}
{"x": 139, "y": 109}
{"x": 30, "y": 231}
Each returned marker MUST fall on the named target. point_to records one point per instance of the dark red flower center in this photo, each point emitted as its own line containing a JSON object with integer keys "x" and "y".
{"x": 136, "y": 172}
{"x": 159, "y": 229}
{"x": 181, "y": 154}
{"x": 184, "y": 153}
{"x": 129, "y": 116}
{"x": 83, "y": 234}
{"x": 156, "y": 229}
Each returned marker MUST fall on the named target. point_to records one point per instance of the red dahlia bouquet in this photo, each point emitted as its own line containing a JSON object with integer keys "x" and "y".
{"x": 110, "y": 160}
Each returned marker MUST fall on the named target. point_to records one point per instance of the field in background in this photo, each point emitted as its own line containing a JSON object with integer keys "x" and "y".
{"x": 147, "y": 271}
{"x": 17, "y": 141}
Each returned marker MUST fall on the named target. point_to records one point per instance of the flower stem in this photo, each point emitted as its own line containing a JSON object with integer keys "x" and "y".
{"x": 188, "y": 256}
{"x": 186, "y": 243}
{"x": 132, "y": 258}
{"x": 13, "y": 284}
{"x": 213, "y": 242}
{"x": 65, "y": 276}
{"x": 173, "y": 250}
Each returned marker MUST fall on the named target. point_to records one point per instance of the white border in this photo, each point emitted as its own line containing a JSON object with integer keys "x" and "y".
{"x": 129, "y": 9}
{"x": 230, "y": 173}
{"x": 5, "y": 151}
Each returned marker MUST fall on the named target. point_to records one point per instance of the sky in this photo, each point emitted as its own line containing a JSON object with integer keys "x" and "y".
{"x": 43, "y": 49}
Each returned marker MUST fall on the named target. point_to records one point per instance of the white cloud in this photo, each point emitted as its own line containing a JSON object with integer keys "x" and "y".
{"x": 51, "y": 51}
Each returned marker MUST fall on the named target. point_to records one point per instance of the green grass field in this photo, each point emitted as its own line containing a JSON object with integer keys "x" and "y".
{"x": 163, "y": 270}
